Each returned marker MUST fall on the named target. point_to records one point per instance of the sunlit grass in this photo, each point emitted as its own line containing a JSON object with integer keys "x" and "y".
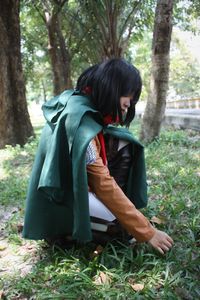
{"x": 173, "y": 164}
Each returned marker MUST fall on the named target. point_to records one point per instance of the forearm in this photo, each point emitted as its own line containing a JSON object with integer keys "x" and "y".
{"x": 123, "y": 209}
{"x": 107, "y": 190}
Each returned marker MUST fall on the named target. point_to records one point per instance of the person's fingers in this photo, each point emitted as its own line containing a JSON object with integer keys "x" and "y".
{"x": 161, "y": 241}
{"x": 160, "y": 250}
{"x": 168, "y": 244}
{"x": 164, "y": 247}
{"x": 170, "y": 239}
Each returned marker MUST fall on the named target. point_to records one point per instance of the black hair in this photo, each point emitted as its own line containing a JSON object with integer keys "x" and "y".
{"x": 108, "y": 82}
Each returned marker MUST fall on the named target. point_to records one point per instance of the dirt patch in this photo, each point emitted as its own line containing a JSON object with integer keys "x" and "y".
{"x": 15, "y": 258}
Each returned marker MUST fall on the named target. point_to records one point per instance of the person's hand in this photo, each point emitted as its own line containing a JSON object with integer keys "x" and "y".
{"x": 161, "y": 241}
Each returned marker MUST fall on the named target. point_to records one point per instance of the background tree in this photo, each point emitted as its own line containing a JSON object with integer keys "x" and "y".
{"x": 141, "y": 57}
{"x": 194, "y": 8}
{"x": 184, "y": 74}
{"x": 82, "y": 25}
{"x": 15, "y": 126}
{"x": 155, "y": 108}
{"x": 84, "y": 39}
{"x": 35, "y": 56}
{"x": 111, "y": 24}
{"x": 184, "y": 77}
{"x": 50, "y": 11}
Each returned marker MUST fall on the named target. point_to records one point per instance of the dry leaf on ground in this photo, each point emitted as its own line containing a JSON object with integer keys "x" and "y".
{"x": 102, "y": 278}
{"x": 157, "y": 220}
{"x": 2, "y": 295}
{"x": 2, "y": 247}
{"x": 137, "y": 287}
{"x": 97, "y": 251}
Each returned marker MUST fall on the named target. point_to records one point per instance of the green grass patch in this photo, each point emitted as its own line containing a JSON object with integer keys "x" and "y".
{"x": 173, "y": 164}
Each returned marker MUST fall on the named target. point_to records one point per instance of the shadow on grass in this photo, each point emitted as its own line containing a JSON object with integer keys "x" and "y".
{"x": 15, "y": 170}
{"x": 173, "y": 169}
{"x": 114, "y": 274}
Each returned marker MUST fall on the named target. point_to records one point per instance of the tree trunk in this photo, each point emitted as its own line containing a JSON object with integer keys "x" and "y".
{"x": 155, "y": 108}
{"x": 15, "y": 125}
{"x": 112, "y": 47}
{"x": 59, "y": 54}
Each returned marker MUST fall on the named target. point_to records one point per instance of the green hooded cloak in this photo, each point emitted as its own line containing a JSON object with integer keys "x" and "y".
{"x": 57, "y": 198}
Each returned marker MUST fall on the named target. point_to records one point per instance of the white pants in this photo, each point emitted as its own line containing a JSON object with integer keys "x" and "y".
{"x": 98, "y": 209}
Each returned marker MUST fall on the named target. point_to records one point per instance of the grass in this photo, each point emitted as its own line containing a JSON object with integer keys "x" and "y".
{"x": 173, "y": 164}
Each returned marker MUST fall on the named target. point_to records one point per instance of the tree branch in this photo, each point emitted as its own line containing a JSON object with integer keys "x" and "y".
{"x": 99, "y": 20}
{"x": 58, "y": 5}
{"x": 128, "y": 19}
{"x": 39, "y": 12}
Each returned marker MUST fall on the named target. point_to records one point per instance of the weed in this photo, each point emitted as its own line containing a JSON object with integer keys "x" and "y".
{"x": 174, "y": 197}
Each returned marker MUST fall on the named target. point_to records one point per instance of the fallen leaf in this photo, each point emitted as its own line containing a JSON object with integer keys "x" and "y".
{"x": 137, "y": 286}
{"x": 19, "y": 228}
{"x": 158, "y": 286}
{"x": 2, "y": 295}
{"x": 102, "y": 278}
{"x": 97, "y": 251}
{"x": 183, "y": 293}
{"x": 2, "y": 247}
{"x": 157, "y": 220}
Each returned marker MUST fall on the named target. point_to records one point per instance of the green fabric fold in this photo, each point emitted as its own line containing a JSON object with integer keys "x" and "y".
{"x": 57, "y": 198}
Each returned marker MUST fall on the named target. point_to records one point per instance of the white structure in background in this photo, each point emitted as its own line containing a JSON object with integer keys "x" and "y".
{"x": 184, "y": 103}
{"x": 193, "y": 44}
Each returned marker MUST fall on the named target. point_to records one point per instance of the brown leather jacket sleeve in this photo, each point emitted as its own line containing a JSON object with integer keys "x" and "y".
{"x": 107, "y": 190}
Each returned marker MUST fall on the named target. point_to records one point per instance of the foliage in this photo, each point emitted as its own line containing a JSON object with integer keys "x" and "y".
{"x": 141, "y": 58}
{"x": 34, "y": 44}
{"x": 184, "y": 70}
{"x": 83, "y": 38}
{"x": 173, "y": 179}
{"x": 184, "y": 76}
{"x": 110, "y": 25}
{"x": 186, "y": 13}
{"x": 194, "y": 8}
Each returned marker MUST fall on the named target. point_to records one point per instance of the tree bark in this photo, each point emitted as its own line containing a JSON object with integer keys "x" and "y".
{"x": 59, "y": 54}
{"x": 15, "y": 125}
{"x": 156, "y": 103}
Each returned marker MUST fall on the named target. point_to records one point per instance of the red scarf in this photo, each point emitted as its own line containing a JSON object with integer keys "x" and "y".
{"x": 107, "y": 120}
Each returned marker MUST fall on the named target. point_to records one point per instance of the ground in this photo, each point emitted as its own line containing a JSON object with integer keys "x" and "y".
{"x": 30, "y": 270}
{"x": 14, "y": 259}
